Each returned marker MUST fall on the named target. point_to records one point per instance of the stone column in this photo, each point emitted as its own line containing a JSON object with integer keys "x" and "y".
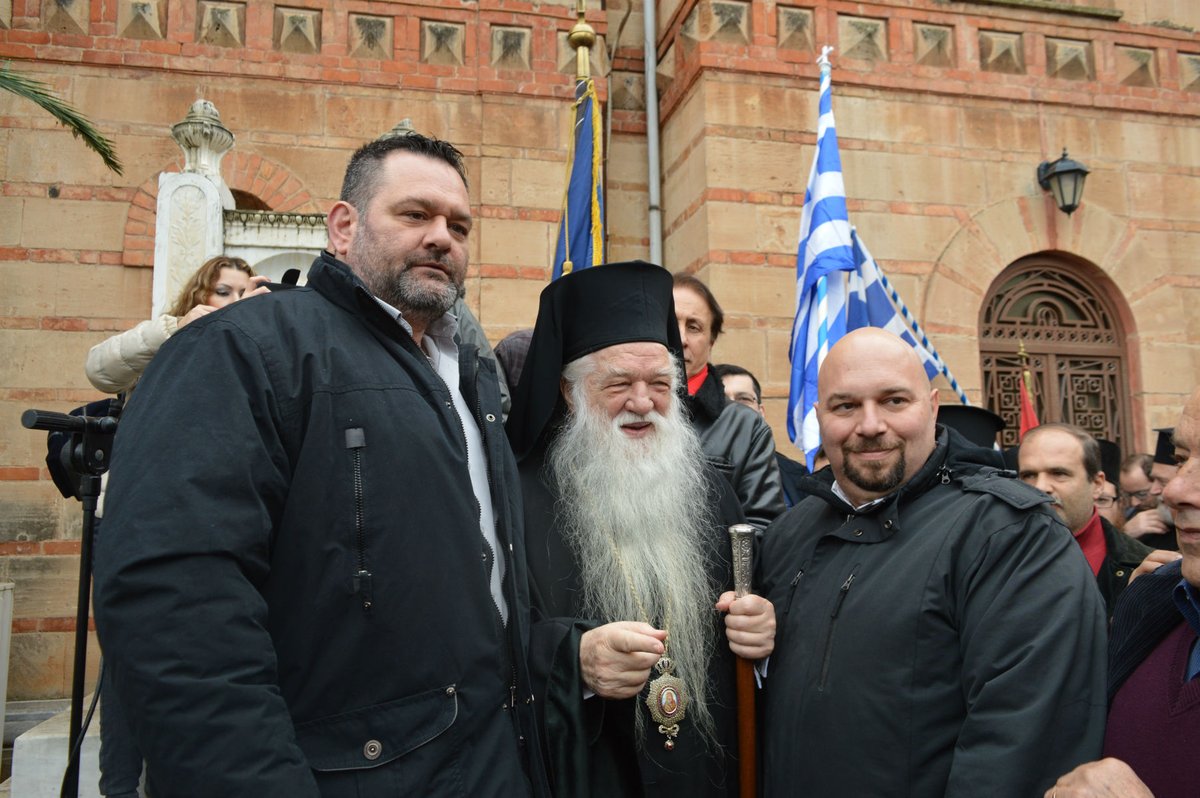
{"x": 189, "y": 228}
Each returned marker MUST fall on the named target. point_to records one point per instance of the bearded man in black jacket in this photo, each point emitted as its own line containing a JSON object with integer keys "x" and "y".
{"x": 321, "y": 589}
{"x": 939, "y": 632}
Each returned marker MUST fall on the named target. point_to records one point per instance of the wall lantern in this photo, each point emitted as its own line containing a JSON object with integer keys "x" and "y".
{"x": 1063, "y": 178}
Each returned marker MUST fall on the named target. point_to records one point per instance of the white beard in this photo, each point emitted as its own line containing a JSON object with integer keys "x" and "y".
{"x": 648, "y": 499}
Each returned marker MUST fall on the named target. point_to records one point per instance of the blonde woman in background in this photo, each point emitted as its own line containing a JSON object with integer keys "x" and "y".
{"x": 115, "y": 364}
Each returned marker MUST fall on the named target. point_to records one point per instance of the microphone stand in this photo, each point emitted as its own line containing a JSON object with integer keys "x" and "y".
{"x": 86, "y": 454}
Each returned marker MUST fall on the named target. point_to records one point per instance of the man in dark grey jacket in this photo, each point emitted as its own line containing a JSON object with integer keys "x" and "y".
{"x": 735, "y": 439}
{"x": 312, "y": 581}
{"x": 939, "y": 632}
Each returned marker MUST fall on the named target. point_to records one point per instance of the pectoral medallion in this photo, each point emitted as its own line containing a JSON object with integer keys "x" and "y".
{"x": 667, "y": 702}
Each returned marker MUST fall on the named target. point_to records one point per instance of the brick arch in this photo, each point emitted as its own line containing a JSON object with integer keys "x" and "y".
{"x": 268, "y": 180}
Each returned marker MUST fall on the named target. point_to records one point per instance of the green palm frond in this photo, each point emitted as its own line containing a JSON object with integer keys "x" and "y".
{"x": 71, "y": 119}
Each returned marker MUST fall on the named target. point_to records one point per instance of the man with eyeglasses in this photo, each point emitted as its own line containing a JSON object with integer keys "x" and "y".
{"x": 1064, "y": 462}
{"x": 1109, "y": 506}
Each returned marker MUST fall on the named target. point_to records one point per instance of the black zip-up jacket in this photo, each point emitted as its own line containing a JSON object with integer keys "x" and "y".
{"x": 292, "y": 589}
{"x": 738, "y": 443}
{"x": 1123, "y": 555}
{"x": 947, "y": 641}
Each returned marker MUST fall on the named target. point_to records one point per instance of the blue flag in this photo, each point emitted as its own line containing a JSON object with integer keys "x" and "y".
{"x": 581, "y": 228}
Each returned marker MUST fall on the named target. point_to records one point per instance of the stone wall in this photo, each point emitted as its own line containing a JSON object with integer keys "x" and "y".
{"x": 942, "y": 118}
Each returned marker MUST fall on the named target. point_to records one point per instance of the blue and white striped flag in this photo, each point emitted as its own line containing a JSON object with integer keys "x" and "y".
{"x": 839, "y": 287}
{"x": 871, "y": 305}
{"x": 825, "y": 251}
{"x": 875, "y": 303}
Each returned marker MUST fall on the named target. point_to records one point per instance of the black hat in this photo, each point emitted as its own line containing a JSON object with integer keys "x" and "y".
{"x": 1110, "y": 460}
{"x": 580, "y": 313}
{"x": 1164, "y": 449}
{"x": 977, "y": 425}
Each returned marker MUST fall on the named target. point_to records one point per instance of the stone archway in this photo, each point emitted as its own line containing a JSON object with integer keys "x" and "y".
{"x": 1004, "y": 233}
{"x": 269, "y": 181}
{"x": 1063, "y": 313}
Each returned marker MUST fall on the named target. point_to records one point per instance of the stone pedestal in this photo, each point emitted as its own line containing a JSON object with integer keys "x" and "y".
{"x": 40, "y": 758}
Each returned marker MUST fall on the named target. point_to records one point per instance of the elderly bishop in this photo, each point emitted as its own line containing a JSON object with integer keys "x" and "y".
{"x": 627, "y": 548}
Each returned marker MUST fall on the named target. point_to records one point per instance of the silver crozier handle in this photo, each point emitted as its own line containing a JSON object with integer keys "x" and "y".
{"x": 741, "y": 538}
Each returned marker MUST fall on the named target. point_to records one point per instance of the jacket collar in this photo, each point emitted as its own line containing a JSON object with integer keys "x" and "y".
{"x": 708, "y": 401}
{"x": 952, "y": 457}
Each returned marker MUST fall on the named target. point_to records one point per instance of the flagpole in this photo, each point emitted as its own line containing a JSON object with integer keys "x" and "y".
{"x": 582, "y": 37}
{"x": 1025, "y": 375}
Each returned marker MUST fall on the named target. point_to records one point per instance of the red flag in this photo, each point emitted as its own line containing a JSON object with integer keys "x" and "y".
{"x": 1029, "y": 418}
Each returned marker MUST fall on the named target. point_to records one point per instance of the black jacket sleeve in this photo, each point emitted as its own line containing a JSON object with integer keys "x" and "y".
{"x": 179, "y": 611}
{"x": 1032, "y": 646}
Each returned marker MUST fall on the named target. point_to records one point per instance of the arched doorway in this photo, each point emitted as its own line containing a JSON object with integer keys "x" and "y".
{"x": 1064, "y": 314}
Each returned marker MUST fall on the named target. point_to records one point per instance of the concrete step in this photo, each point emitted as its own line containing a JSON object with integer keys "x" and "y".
{"x": 40, "y": 758}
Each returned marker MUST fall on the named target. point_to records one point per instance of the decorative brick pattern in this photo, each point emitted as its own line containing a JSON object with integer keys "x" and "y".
{"x": 221, "y": 24}
{"x": 297, "y": 30}
{"x": 934, "y": 45}
{"x": 65, "y": 16}
{"x": 1189, "y": 72}
{"x": 794, "y": 27}
{"x": 442, "y": 42}
{"x": 511, "y": 48}
{"x": 863, "y": 38}
{"x": 1136, "y": 66}
{"x": 628, "y": 91}
{"x": 1069, "y": 59}
{"x": 725, "y": 21}
{"x": 370, "y": 37}
{"x": 142, "y": 19}
{"x": 1001, "y": 52}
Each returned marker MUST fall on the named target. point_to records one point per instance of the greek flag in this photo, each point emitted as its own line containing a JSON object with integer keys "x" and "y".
{"x": 871, "y": 305}
{"x": 826, "y": 251}
{"x": 581, "y": 228}
{"x": 839, "y": 287}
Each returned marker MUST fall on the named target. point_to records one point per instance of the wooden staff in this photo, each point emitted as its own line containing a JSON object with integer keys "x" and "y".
{"x": 741, "y": 537}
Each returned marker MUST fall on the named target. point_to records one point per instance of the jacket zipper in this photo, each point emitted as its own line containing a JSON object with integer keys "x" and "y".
{"x": 792, "y": 592}
{"x": 833, "y": 616}
{"x": 499, "y": 618}
{"x": 356, "y": 441}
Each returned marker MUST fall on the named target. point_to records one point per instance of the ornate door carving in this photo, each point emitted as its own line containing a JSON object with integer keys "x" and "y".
{"x": 1075, "y": 344}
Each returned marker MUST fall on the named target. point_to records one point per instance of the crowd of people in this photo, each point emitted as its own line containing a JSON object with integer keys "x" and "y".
{"x": 390, "y": 562}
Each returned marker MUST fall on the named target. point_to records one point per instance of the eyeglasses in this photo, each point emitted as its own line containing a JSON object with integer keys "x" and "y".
{"x": 1105, "y": 502}
{"x": 1140, "y": 495}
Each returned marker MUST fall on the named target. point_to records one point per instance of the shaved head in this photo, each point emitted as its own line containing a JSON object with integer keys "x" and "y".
{"x": 874, "y": 346}
{"x": 877, "y": 412}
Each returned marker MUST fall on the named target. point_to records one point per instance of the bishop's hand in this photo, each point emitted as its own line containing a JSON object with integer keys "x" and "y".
{"x": 749, "y": 624}
{"x": 616, "y": 658}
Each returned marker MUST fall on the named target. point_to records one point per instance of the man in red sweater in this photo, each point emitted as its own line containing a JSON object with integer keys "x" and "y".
{"x": 1064, "y": 461}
